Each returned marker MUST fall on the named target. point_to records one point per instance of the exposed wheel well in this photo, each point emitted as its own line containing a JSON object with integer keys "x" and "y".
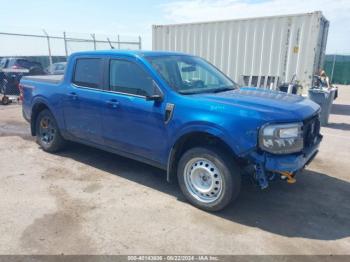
{"x": 37, "y": 108}
{"x": 195, "y": 139}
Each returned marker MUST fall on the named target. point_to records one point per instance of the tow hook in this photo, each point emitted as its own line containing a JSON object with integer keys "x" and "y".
{"x": 289, "y": 176}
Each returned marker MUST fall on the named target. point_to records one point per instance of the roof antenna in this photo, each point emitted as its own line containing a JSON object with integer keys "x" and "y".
{"x": 109, "y": 41}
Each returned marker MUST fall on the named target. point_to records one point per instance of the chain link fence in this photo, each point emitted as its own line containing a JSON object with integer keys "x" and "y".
{"x": 37, "y": 53}
{"x": 44, "y": 44}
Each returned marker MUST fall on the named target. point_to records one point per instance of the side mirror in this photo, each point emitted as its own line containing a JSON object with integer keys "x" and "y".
{"x": 156, "y": 95}
{"x": 156, "y": 98}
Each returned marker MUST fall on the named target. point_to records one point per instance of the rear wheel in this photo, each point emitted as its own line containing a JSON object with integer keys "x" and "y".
{"x": 47, "y": 133}
{"x": 208, "y": 178}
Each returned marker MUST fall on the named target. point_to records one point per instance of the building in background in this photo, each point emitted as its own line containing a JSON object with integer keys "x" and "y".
{"x": 262, "y": 52}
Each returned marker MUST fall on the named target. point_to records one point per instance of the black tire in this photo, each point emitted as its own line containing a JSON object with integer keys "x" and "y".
{"x": 56, "y": 142}
{"x": 5, "y": 100}
{"x": 230, "y": 177}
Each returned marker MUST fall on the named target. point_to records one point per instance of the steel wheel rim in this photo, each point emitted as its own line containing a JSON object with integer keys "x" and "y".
{"x": 47, "y": 130}
{"x": 203, "y": 180}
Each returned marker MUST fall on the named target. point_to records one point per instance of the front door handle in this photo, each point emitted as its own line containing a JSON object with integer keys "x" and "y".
{"x": 113, "y": 103}
{"x": 73, "y": 95}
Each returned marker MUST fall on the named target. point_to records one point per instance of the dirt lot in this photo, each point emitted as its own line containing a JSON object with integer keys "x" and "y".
{"x": 86, "y": 201}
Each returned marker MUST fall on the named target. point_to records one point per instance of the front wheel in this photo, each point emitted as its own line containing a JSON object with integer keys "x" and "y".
{"x": 208, "y": 178}
{"x": 47, "y": 133}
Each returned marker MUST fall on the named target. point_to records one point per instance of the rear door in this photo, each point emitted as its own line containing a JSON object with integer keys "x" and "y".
{"x": 82, "y": 101}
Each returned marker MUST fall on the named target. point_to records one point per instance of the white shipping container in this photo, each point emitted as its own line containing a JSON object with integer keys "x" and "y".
{"x": 263, "y": 52}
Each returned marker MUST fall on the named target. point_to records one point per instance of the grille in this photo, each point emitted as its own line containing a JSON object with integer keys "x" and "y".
{"x": 311, "y": 131}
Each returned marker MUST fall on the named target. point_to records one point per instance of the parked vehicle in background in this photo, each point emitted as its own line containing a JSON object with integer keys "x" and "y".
{"x": 56, "y": 68}
{"x": 21, "y": 65}
{"x": 13, "y": 68}
{"x": 176, "y": 112}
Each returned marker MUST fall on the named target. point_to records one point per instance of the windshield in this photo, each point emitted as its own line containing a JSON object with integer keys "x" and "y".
{"x": 190, "y": 75}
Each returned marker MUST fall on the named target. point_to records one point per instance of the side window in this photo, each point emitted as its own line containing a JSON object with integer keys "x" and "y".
{"x": 3, "y": 63}
{"x": 59, "y": 67}
{"x": 88, "y": 72}
{"x": 128, "y": 77}
{"x": 23, "y": 63}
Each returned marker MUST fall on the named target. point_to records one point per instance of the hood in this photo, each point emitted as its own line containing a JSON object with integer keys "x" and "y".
{"x": 271, "y": 105}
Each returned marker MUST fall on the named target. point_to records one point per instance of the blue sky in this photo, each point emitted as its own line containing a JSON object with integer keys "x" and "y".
{"x": 81, "y": 16}
{"x": 131, "y": 18}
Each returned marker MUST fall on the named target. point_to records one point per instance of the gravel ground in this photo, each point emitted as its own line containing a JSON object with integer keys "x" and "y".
{"x": 86, "y": 201}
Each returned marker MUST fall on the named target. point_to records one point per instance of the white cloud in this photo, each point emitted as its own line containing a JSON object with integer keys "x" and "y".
{"x": 336, "y": 11}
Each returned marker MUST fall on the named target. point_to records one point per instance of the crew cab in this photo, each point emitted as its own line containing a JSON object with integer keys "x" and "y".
{"x": 176, "y": 112}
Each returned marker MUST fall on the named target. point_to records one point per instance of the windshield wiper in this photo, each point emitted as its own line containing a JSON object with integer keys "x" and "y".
{"x": 188, "y": 92}
{"x": 205, "y": 90}
{"x": 223, "y": 89}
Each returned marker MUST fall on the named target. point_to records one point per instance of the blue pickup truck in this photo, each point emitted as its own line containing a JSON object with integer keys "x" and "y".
{"x": 176, "y": 112}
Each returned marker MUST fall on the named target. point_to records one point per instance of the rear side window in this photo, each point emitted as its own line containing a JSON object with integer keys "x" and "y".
{"x": 88, "y": 72}
{"x": 60, "y": 67}
{"x": 128, "y": 77}
{"x": 23, "y": 63}
{"x": 3, "y": 63}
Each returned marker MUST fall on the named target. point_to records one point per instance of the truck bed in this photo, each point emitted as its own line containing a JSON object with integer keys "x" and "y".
{"x": 53, "y": 79}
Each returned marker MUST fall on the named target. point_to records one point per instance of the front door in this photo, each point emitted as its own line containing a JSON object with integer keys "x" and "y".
{"x": 130, "y": 122}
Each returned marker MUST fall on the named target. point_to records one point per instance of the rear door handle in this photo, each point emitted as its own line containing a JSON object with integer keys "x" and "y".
{"x": 113, "y": 103}
{"x": 73, "y": 95}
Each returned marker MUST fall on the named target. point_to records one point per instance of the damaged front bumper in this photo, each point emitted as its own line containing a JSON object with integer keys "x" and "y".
{"x": 267, "y": 165}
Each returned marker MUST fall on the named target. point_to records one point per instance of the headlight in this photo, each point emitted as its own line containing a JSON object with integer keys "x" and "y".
{"x": 281, "y": 138}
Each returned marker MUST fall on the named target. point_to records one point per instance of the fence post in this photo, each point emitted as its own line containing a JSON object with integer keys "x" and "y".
{"x": 118, "y": 41}
{"x": 49, "y": 48}
{"x": 140, "y": 44}
{"x": 94, "y": 39}
{"x": 110, "y": 43}
{"x": 333, "y": 68}
{"x": 65, "y": 44}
